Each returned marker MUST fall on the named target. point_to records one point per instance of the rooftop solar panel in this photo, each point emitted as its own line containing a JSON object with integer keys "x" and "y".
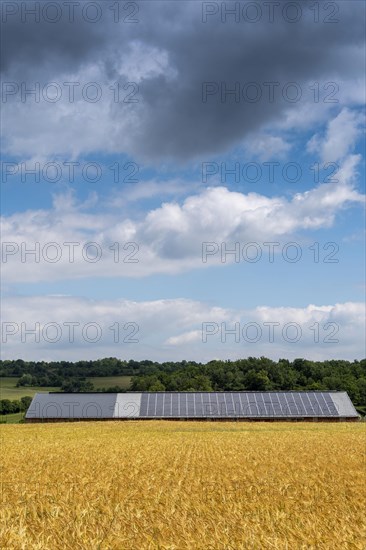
{"x": 192, "y": 405}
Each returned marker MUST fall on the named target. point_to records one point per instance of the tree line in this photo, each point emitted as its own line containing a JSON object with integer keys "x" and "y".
{"x": 252, "y": 373}
{"x": 54, "y": 373}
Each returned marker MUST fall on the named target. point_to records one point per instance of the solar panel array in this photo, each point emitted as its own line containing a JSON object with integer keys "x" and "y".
{"x": 236, "y": 404}
{"x": 193, "y": 405}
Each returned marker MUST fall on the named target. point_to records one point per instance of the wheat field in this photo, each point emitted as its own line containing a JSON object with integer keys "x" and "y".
{"x": 183, "y": 485}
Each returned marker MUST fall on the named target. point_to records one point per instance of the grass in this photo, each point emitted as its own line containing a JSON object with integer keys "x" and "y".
{"x": 8, "y": 389}
{"x": 157, "y": 485}
{"x": 13, "y": 418}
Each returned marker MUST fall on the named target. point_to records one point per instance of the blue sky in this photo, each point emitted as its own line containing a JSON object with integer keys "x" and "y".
{"x": 175, "y": 190}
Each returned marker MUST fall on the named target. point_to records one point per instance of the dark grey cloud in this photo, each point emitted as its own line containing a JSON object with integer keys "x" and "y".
{"x": 30, "y": 47}
{"x": 173, "y": 121}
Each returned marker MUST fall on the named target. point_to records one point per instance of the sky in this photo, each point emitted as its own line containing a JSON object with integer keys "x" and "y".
{"x": 183, "y": 180}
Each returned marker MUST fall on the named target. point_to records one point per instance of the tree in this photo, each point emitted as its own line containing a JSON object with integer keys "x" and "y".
{"x": 25, "y": 403}
{"x": 5, "y": 406}
{"x": 362, "y": 389}
{"x": 157, "y": 386}
{"x": 9, "y": 407}
{"x": 74, "y": 385}
{"x": 202, "y": 383}
{"x": 257, "y": 381}
{"x": 25, "y": 380}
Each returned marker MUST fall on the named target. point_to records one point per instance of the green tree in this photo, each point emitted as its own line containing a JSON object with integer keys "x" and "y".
{"x": 157, "y": 386}
{"x": 74, "y": 385}
{"x": 25, "y": 402}
{"x": 257, "y": 381}
{"x": 25, "y": 380}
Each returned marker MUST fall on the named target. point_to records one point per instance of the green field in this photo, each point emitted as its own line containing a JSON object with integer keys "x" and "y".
{"x": 14, "y": 418}
{"x": 8, "y": 389}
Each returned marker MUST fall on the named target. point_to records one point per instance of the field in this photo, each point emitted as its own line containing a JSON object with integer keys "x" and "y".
{"x": 183, "y": 486}
{"x": 8, "y": 389}
{"x": 13, "y": 418}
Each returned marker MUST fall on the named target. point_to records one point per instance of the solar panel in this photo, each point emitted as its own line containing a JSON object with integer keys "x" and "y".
{"x": 199, "y": 404}
{"x": 168, "y": 403}
{"x": 329, "y": 404}
{"x": 307, "y": 404}
{"x": 159, "y": 410}
{"x": 292, "y": 405}
{"x": 299, "y": 404}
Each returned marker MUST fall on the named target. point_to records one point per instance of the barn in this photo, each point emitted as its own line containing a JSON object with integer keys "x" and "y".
{"x": 237, "y": 405}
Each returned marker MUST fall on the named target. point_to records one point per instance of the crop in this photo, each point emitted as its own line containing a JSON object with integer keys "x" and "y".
{"x": 183, "y": 485}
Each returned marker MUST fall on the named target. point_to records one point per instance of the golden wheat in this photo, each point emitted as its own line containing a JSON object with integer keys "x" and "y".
{"x": 183, "y": 485}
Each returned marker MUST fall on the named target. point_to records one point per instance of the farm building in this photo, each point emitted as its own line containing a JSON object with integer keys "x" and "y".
{"x": 240, "y": 405}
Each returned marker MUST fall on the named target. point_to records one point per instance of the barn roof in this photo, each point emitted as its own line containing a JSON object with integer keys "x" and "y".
{"x": 195, "y": 405}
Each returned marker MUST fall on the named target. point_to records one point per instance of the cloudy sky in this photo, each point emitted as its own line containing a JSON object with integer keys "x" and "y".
{"x": 183, "y": 180}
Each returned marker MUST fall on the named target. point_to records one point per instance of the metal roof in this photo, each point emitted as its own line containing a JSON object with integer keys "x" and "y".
{"x": 72, "y": 405}
{"x": 243, "y": 404}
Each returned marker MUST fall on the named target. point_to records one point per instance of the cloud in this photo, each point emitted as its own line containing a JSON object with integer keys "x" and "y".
{"x": 266, "y": 147}
{"x": 169, "y": 239}
{"x": 186, "y": 338}
{"x": 51, "y": 327}
{"x": 151, "y": 189}
{"x": 170, "y": 54}
{"x": 340, "y": 137}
